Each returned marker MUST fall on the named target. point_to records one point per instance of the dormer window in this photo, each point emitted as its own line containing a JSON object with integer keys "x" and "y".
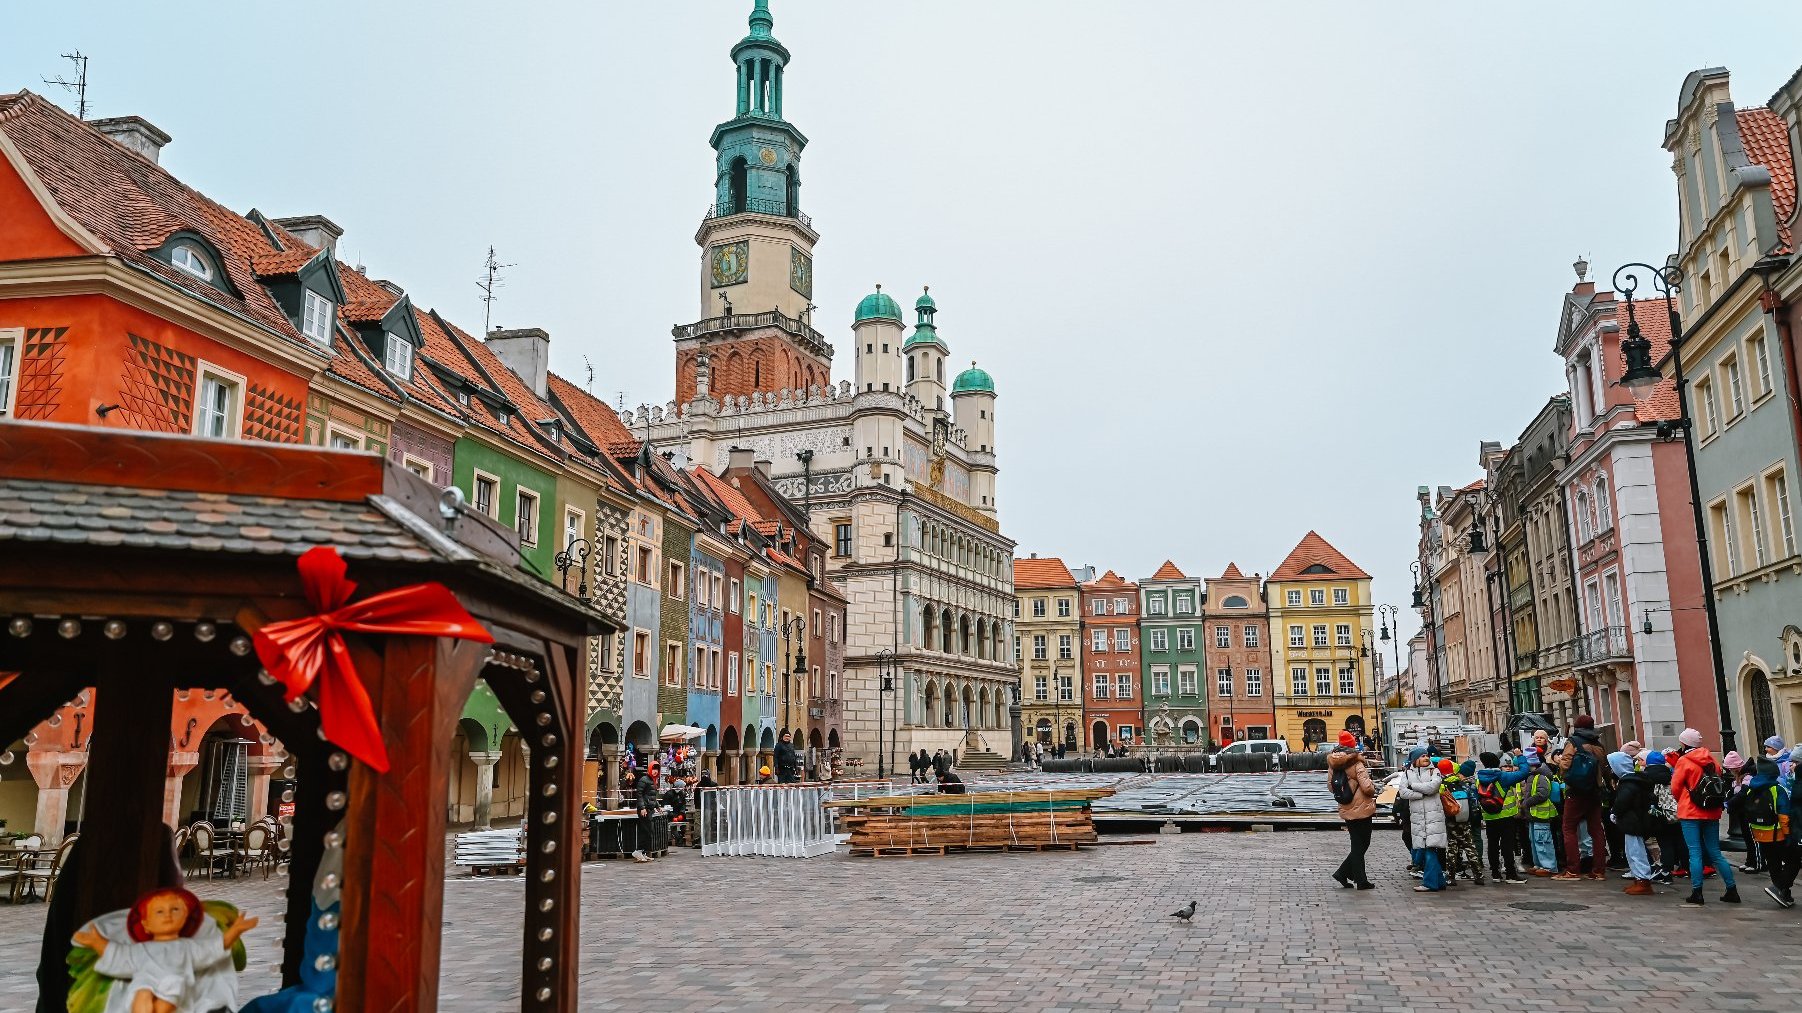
{"x": 397, "y": 355}
{"x": 316, "y": 318}
{"x": 191, "y": 260}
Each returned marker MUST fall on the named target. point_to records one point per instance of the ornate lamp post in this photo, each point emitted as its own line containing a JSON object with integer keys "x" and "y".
{"x": 1390, "y": 617}
{"x": 884, "y": 684}
{"x": 1642, "y": 373}
{"x": 795, "y": 628}
{"x": 572, "y": 557}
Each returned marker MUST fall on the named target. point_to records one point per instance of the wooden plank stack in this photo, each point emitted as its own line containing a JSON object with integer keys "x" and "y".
{"x": 979, "y": 821}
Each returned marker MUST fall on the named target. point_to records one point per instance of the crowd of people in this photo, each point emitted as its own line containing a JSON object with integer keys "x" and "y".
{"x": 1559, "y": 812}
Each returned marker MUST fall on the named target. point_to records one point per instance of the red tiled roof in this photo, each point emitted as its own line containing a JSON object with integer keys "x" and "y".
{"x": 778, "y": 556}
{"x": 1048, "y": 572}
{"x": 1654, "y": 325}
{"x": 598, "y": 422}
{"x": 1232, "y": 572}
{"x": 734, "y": 500}
{"x": 1110, "y": 581}
{"x": 1658, "y": 404}
{"x": 1169, "y": 572}
{"x": 367, "y": 311}
{"x": 1473, "y": 487}
{"x": 1314, "y": 550}
{"x": 283, "y": 263}
{"x": 768, "y": 528}
{"x": 1766, "y": 140}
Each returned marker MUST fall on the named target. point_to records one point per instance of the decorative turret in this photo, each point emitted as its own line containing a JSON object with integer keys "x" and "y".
{"x": 926, "y": 352}
{"x": 876, "y": 421}
{"x": 974, "y": 394}
{"x": 878, "y": 328}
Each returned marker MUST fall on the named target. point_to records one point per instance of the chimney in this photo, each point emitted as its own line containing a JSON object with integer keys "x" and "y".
{"x": 135, "y": 132}
{"x": 764, "y": 466}
{"x": 740, "y": 459}
{"x": 316, "y": 231}
{"x": 527, "y": 352}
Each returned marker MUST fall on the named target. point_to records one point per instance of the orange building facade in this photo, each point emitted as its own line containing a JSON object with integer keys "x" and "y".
{"x": 1236, "y": 632}
{"x": 1113, "y": 712}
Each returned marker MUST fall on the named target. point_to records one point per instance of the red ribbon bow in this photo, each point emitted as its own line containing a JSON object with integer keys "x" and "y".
{"x": 298, "y": 651}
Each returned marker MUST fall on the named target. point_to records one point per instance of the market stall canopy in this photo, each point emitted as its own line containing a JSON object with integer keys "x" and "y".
{"x": 680, "y": 733}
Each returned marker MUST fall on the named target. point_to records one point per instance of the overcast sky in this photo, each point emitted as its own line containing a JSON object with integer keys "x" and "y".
{"x": 1239, "y": 270}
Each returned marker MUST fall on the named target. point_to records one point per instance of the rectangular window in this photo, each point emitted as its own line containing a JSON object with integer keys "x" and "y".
{"x": 1016, "y": 608}
{"x": 1223, "y": 681}
{"x": 1185, "y": 604}
{"x": 769, "y": 679}
{"x": 641, "y": 654}
{"x": 841, "y": 539}
{"x": 672, "y": 664}
{"x": 10, "y": 357}
{"x": 1064, "y": 647}
{"x": 1154, "y": 605}
{"x": 1039, "y": 647}
{"x": 733, "y": 599}
{"x": 603, "y": 650}
{"x": 1186, "y": 680}
{"x": 1736, "y": 391}
{"x": 397, "y": 355}
{"x": 1123, "y": 640}
{"x": 1185, "y": 639}
{"x": 1293, "y": 598}
{"x": 1251, "y": 636}
{"x": 485, "y": 490}
{"x": 1223, "y": 636}
{"x": 1726, "y": 545}
{"x": 1341, "y": 596}
{"x": 1254, "y": 682}
{"x": 1160, "y": 682}
{"x": 1123, "y": 686}
{"x": 1017, "y": 655}
{"x": 338, "y": 440}
{"x": 1297, "y": 638}
{"x": 1097, "y": 639}
{"x": 732, "y": 673}
{"x": 1041, "y": 688}
{"x": 218, "y": 402}
{"x": 1711, "y": 415}
{"x": 418, "y": 467}
{"x": 1751, "y": 521}
{"x": 316, "y": 318}
{"x": 1776, "y": 486}
{"x": 1123, "y": 606}
{"x": 610, "y": 561}
{"x": 572, "y": 526}
{"x": 642, "y": 572}
{"x": 1316, "y": 596}
{"x": 1298, "y": 681}
{"x": 1323, "y": 681}
{"x": 677, "y": 584}
{"x": 1098, "y": 606}
{"x": 1038, "y": 608}
{"x": 1761, "y": 365}
{"x": 1066, "y": 688}
{"x": 1101, "y": 685}
{"x": 1320, "y": 639}
{"x": 1160, "y": 640}
{"x": 1348, "y": 681}
{"x": 1342, "y": 634}
{"x": 1063, "y": 608}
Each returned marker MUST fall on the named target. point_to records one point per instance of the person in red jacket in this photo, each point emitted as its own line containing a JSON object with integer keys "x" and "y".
{"x": 1701, "y": 826}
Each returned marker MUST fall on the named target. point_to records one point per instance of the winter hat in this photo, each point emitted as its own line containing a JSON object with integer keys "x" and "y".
{"x": 1531, "y": 755}
{"x": 1415, "y": 754}
{"x": 1690, "y": 737}
{"x": 1733, "y": 761}
{"x": 1774, "y": 742}
{"x": 1766, "y": 768}
{"x": 1620, "y": 763}
{"x": 1634, "y": 748}
{"x": 1489, "y": 759}
{"x": 1508, "y": 762}
{"x": 1654, "y": 758}
{"x": 1347, "y": 739}
{"x": 1468, "y": 768}
{"x": 1583, "y": 721}
{"x": 1445, "y": 767}
{"x": 763, "y": 771}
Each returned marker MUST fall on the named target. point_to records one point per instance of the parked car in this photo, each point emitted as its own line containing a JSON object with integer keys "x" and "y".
{"x": 1244, "y": 746}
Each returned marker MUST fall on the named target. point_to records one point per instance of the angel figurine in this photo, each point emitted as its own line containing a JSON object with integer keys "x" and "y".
{"x": 170, "y": 953}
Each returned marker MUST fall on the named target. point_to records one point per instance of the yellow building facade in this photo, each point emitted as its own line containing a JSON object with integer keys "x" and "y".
{"x": 1322, "y": 645}
{"x": 1047, "y": 629}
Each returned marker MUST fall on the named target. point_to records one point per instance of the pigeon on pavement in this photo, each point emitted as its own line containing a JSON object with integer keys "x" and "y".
{"x": 1186, "y": 913}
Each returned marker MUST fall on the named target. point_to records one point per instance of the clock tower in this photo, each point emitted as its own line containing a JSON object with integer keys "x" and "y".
{"x": 756, "y": 321}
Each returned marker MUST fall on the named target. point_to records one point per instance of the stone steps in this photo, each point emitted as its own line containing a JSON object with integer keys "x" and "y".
{"x": 981, "y": 759}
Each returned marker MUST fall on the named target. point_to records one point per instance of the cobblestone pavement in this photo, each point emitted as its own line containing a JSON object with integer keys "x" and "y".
{"x": 1088, "y": 931}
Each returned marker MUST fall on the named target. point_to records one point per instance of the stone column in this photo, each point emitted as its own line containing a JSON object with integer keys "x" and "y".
{"x": 262, "y": 768}
{"x": 484, "y": 785}
{"x": 180, "y": 764}
{"x": 54, "y": 772}
{"x": 609, "y": 782}
{"x": 710, "y": 762}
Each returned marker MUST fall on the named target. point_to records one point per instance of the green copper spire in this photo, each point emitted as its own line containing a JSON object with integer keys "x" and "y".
{"x": 925, "y": 333}
{"x": 761, "y": 22}
{"x": 973, "y": 381}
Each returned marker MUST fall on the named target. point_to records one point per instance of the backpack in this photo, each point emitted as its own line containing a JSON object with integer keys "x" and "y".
{"x": 1760, "y": 810}
{"x": 1340, "y": 785}
{"x": 1557, "y": 790}
{"x": 1664, "y": 805}
{"x": 1582, "y": 777}
{"x": 1491, "y": 797}
{"x": 1712, "y": 790}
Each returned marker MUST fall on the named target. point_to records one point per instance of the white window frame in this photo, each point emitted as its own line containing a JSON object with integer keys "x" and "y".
{"x": 1323, "y": 680}
{"x": 1298, "y": 680}
{"x": 1348, "y": 681}
{"x": 417, "y": 466}
{"x": 639, "y": 670}
{"x": 1100, "y": 683}
{"x": 1223, "y": 682}
{"x": 1123, "y": 685}
{"x": 1066, "y": 647}
{"x": 1320, "y": 635}
{"x": 1223, "y": 637}
{"x": 1298, "y": 635}
{"x": 1063, "y": 608}
{"x": 732, "y": 673}
{"x": 1160, "y": 680}
{"x": 1254, "y": 682}
{"x": 675, "y": 579}
{"x": 1160, "y": 640}
{"x": 1758, "y": 352}
{"x": 234, "y": 385}
{"x": 1293, "y": 598}
{"x": 1341, "y": 596}
{"x": 317, "y": 317}
{"x": 1098, "y": 639}
{"x": 476, "y": 477}
{"x": 397, "y": 355}
{"x": 1184, "y": 603}
{"x": 1776, "y": 484}
{"x": 334, "y": 434}
{"x": 520, "y": 495}
{"x": 1041, "y": 647}
{"x": 195, "y": 263}
{"x": 1733, "y": 382}
{"x": 1252, "y": 637}
{"x": 12, "y": 356}
{"x": 1123, "y": 640}
{"x": 1185, "y": 639}
{"x": 1122, "y": 606}
{"x": 732, "y": 600}
{"x": 1754, "y": 522}
{"x": 1342, "y": 636}
{"x": 1041, "y": 688}
{"x": 1156, "y": 605}
{"x": 1316, "y": 597}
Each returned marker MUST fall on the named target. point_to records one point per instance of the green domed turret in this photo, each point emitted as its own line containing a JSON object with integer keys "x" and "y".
{"x": 878, "y": 305}
{"x": 924, "y": 331}
{"x": 973, "y": 381}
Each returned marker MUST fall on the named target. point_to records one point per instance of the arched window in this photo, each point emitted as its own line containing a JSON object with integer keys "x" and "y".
{"x": 737, "y": 185}
{"x": 940, "y": 364}
{"x": 1604, "y": 513}
{"x": 910, "y": 368}
{"x": 192, "y": 261}
{"x": 1585, "y": 520}
{"x": 1233, "y": 601}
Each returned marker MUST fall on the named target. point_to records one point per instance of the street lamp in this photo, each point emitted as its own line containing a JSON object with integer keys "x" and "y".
{"x": 1391, "y": 617}
{"x": 572, "y": 557}
{"x": 885, "y": 684}
{"x": 1421, "y": 601}
{"x": 794, "y": 629}
{"x": 1642, "y": 373}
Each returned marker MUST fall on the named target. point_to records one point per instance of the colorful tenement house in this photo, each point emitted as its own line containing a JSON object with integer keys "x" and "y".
{"x": 1320, "y": 624}
{"x": 1172, "y": 658}
{"x": 1110, "y": 662}
{"x": 1046, "y": 628}
{"x": 1236, "y": 649}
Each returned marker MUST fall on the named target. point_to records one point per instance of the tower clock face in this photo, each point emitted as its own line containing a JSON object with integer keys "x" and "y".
{"x": 800, "y": 272}
{"x": 767, "y": 156}
{"x": 729, "y": 263}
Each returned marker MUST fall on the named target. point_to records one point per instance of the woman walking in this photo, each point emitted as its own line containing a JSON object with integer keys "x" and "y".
{"x": 1701, "y": 788}
{"x": 1426, "y": 818}
{"x": 1357, "y": 798}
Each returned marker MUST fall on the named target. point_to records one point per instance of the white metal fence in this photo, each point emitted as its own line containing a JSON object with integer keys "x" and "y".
{"x": 771, "y": 820}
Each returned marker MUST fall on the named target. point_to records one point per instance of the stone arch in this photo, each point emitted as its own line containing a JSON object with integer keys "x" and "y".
{"x": 945, "y": 630}
{"x": 729, "y": 740}
{"x": 713, "y": 737}
{"x": 982, "y": 707}
{"x": 639, "y": 736}
{"x": 967, "y": 716}
{"x": 768, "y": 741}
{"x": 814, "y": 739}
{"x": 963, "y": 634}
{"x": 832, "y": 739}
{"x": 475, "y": 736}
{"x": 1098, "y": 736}
{"x": 932, "y": 702}
{"x": 1755, "y": 701}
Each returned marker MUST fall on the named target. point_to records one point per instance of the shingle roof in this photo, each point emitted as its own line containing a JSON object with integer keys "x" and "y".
{"x": 1766, "y": 140}
{"x": 1047, "y": 572}
{"x": 1110, "y": 581}
{"x": 1658, "y": 404}
{"x": 734, "y": 500}
{"x": 598, "y": 422}
{"x": 1232, "y": 572}
{"x": 1169, "y": 572}
{"x": 1313, "y": 551}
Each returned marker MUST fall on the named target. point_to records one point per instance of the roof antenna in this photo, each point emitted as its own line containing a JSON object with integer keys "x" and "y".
{"x": 491, "y": 280}
{"x": 590, "y": 367}
{"x": 79, "y": 86}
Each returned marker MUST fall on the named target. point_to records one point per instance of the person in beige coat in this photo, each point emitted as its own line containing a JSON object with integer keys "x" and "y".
{"x": 1357, "y": 799}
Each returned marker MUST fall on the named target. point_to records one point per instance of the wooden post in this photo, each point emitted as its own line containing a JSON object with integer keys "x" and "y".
{"x": 127, "y": 758}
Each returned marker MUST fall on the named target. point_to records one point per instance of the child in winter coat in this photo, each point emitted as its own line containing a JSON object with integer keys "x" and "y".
{"x": 1766, "y": 812}
{"x": 1419, "y": 788}
{"x": 1542, "y": 812}
{"x": 1464, "y": 855}
{"x": 1502, "y": 826}
{"x": 1632, "y": 813}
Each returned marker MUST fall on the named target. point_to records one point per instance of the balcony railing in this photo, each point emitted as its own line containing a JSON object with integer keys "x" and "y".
{"x": 756, "y": 206}
{"x": 1608, "y": 644}
{"x": 740, "y": 321}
